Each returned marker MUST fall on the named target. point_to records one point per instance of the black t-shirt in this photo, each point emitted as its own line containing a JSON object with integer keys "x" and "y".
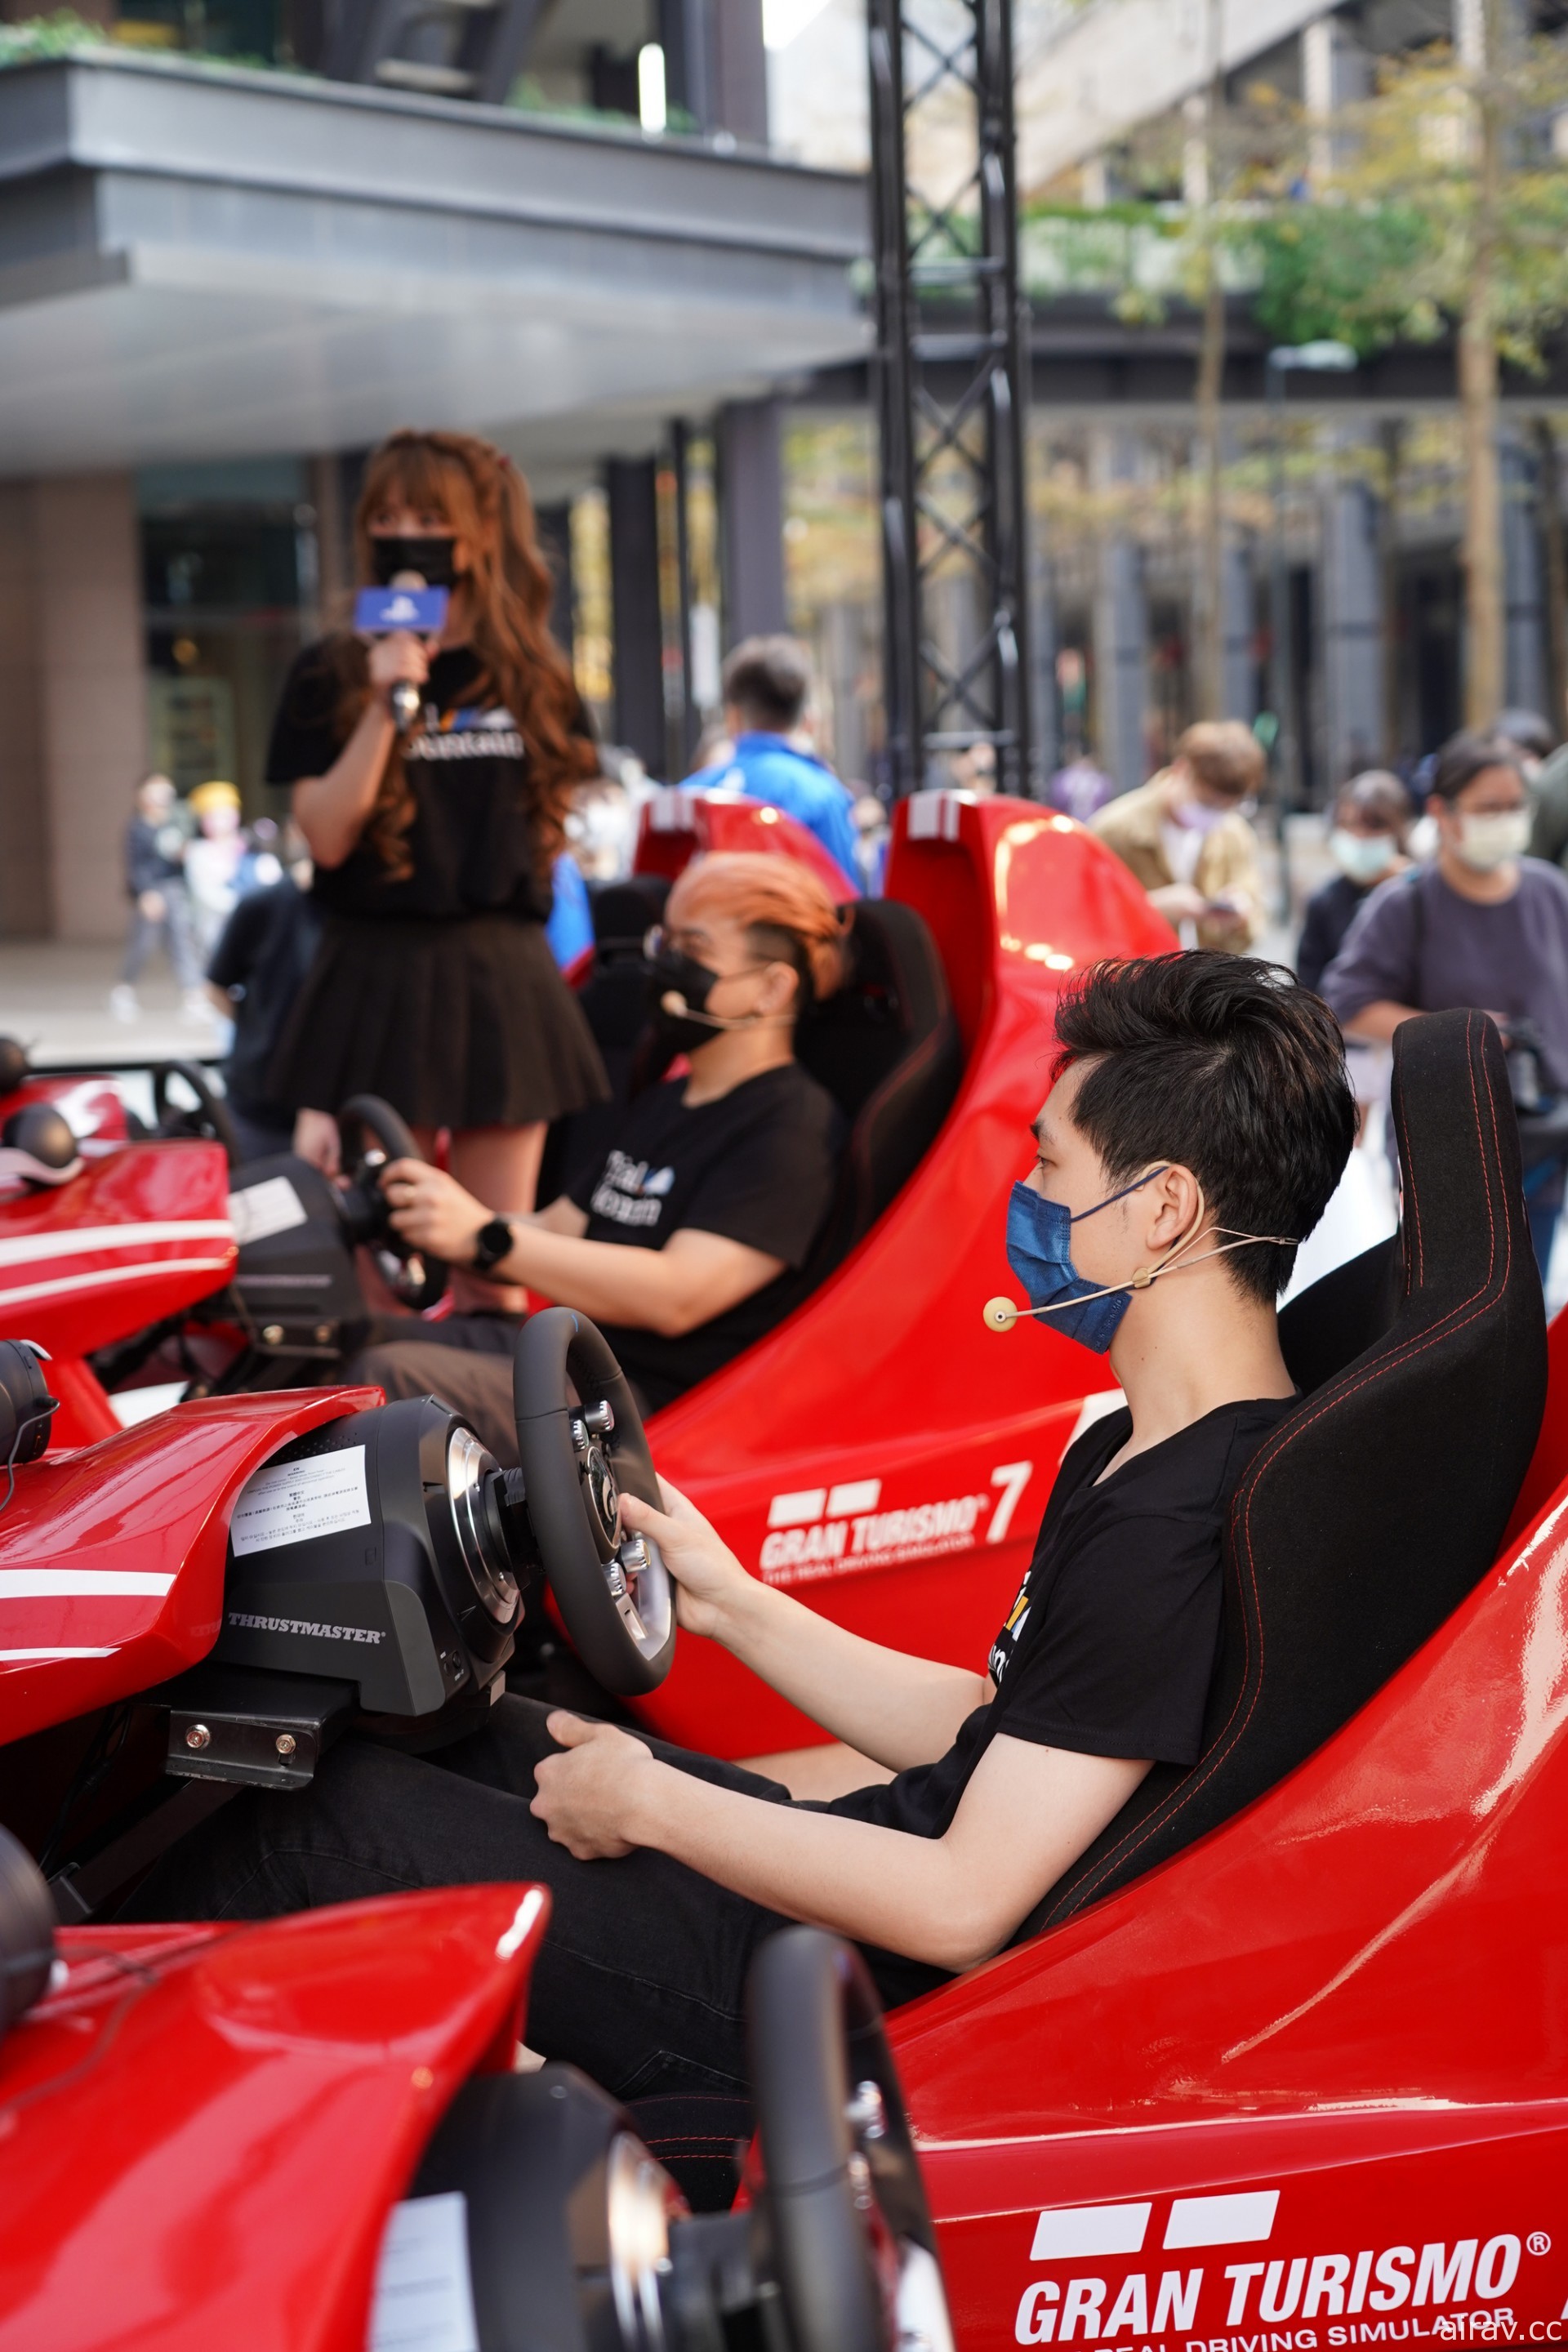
{"x": 267, "y": 946}
{"x": 1331, "y": 911}
{"x": 1109, "y": 1647}
{"x": 471, "y": 842}
{"x": 756, "y": 1166}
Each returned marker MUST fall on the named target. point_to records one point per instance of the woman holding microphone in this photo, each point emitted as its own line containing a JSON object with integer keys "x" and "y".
{"x": 433, "y": 986}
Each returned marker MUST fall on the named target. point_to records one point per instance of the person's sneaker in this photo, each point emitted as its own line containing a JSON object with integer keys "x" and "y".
{"x": 122, "y": 1002}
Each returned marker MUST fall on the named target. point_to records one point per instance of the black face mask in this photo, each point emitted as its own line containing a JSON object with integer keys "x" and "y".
{"x": 672, "y": 973}
{"x": 430, "y": 557}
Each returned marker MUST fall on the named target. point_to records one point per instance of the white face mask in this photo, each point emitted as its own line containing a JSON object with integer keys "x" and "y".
{"x": 1363, "y": 856}
{"x": 1485, "y": 842}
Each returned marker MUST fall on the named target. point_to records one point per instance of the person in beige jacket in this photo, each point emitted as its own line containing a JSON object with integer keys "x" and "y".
{"x": 1186, "y": 836}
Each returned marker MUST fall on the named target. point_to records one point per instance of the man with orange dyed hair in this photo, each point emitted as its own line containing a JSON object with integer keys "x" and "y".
{"x": 683, "y": 1240}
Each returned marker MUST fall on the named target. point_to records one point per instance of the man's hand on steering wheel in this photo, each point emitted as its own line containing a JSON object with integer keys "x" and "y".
{"x": 432, "y": 1211}
{"x": 707, "y": 1574}
{"x": 588, "y": 1798}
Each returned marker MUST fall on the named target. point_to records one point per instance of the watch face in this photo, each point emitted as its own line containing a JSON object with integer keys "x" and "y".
{"x": 494, "y": 1242}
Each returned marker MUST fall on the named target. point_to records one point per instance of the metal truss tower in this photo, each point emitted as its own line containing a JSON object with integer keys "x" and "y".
{"x": 952, "y": 377}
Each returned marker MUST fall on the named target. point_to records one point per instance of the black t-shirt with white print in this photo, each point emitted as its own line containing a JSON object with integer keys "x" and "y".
{"x": 757, "y": 1167}
{"x": 1109, "y": 1647}
{"x": 471, "y": 843}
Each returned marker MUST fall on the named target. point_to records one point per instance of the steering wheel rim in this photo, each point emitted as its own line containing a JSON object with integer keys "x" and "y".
{"x": 367, "y": 1116}
{"x": 363, "y": 1202}
{"x": 209, "y": 1107}
{"x": 619, "y": 1613}
{"x": 854, "y": 2249}
{"x": 27, "y": 1931}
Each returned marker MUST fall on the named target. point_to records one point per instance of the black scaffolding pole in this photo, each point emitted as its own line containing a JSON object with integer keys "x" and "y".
{"x": 951, "y": 378}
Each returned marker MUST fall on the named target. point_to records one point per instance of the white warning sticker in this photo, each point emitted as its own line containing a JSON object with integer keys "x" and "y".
{"x": 423, "y": 2287}
{"x": 273, "y": 1207}
{"x": 290, "y": 1501}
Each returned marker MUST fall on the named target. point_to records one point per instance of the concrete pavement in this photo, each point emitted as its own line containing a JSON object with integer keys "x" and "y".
{"x": 54, "y": 998}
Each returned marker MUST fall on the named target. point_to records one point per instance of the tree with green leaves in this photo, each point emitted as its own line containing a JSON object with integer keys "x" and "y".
{"x": 1446, "y": 213}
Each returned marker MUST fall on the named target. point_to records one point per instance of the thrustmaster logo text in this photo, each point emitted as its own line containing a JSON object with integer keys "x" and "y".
{"x": 249, "y": 1621}
{"x": 829, "y": 1530}
{"x": 1300, "y": 2303}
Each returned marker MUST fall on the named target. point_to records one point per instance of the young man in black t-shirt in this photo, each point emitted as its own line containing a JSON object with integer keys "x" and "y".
{"x": 1199, "y": 1122}
{"x": 683, "y": 1240}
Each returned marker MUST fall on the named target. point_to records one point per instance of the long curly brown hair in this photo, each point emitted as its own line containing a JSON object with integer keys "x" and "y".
{"x": 484, "y": 499}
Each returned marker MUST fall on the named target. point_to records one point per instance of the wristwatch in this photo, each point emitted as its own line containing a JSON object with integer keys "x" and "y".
{"x": 491, "y": 1244}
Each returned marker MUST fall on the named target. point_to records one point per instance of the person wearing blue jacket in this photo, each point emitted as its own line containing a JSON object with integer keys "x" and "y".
{"x": 766, "y": 683}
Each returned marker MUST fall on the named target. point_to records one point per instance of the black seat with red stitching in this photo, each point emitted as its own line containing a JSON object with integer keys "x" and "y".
{"x": 1381, "y": 1500}
{"x": 886, "y": 1047}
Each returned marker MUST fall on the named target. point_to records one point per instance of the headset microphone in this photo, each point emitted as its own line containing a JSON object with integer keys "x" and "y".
{"x": 1000, "y": 1314}
{"x": 675, "y": 1004}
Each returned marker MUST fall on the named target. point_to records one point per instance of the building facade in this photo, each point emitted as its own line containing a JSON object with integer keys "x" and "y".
{"x": 220, "y": 284}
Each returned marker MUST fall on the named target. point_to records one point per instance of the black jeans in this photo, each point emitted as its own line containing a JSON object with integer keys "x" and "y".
{"x": 641, "y": 1981}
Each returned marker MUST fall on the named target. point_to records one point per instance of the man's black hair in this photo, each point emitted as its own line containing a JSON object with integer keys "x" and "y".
{"x": 1223, "y": 1066}
{"x": 1465, "y": 757}
{"x": 768, "y": 679}
{"x": 1529, "y": 731}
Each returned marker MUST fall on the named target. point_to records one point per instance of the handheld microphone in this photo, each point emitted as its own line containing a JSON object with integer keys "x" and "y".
{"x": 406, "y": 603}
{"x": 405, "y": 696}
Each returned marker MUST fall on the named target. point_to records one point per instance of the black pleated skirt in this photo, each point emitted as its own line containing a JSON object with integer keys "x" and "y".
{"x": 462, "y": 1024}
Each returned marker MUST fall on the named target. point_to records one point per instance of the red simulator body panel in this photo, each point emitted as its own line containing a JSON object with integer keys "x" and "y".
{"x": 1342, "y": 2010}
{"x": 140, "y": 1233}
{"x": 674, "y": 825}
{"x": 92, "y": 1107}
{"x": 202, "y": 2129}
{"x": 871, "y": 1454}
{"x": 114, "y": 1554}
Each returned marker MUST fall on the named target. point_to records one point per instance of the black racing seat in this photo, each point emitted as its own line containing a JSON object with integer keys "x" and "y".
{"x": 1342, "y": 1315}
{"x": 613, "y": 1000}
{"x": 1381, "y": 1500}
{"x": 886, "y": 1045}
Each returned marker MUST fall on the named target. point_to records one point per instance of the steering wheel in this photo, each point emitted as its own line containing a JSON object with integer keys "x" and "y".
{"x": 209, "y": 1121}
{"x": 853, "y": 2251}
{"x": 27, "y": 1931}
{"x": 372, "y": 1134}
{"x": 580, "y": 1440}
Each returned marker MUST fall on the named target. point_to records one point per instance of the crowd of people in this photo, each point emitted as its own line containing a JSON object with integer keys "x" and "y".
{"x": 1449, "y": 890}
{"x": 398, "y": 927}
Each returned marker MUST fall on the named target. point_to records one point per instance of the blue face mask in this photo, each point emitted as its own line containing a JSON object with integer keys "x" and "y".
{"x": 1039, "y": 1251}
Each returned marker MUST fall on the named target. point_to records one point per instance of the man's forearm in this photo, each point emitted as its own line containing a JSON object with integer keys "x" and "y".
{"x": 879, "y": 1886}
{"x": 1379, "y": 1019}
{"x": 899, "y": 1710}
{"x": 643, "y": 1287}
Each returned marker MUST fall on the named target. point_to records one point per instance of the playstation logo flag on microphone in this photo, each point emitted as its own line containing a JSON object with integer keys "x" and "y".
{"x": 382, "y": 611}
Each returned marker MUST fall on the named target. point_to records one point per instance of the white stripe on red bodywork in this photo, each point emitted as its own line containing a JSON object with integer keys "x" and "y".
{"x": 81, "y": 1240}
{"x": 105, "y": 1277}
